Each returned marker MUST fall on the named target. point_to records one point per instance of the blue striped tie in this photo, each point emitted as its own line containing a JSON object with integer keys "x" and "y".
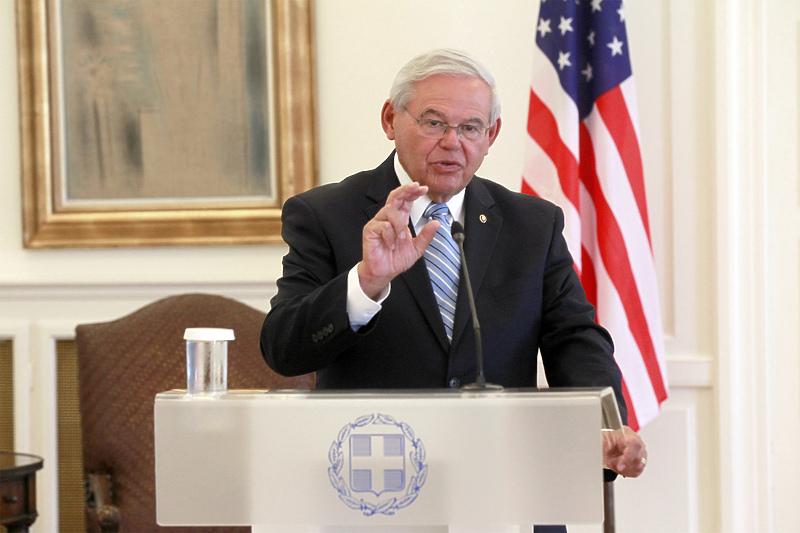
{"x": 444, "y": 261}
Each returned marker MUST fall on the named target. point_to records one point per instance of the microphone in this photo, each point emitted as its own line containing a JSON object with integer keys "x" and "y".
{"x": 457, "y": 231}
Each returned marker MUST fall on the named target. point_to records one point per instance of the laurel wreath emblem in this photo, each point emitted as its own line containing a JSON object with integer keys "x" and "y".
{"x": 389, "y": 505}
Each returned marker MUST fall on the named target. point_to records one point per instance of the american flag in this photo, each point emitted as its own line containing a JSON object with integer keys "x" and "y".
{"x": 583, "y": 154}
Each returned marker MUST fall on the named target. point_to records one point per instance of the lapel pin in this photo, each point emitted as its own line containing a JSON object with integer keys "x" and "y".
{"x": 483, "y": 219}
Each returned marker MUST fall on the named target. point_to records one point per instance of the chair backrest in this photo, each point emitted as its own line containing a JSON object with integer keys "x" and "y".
{"x": 124, "y": 363}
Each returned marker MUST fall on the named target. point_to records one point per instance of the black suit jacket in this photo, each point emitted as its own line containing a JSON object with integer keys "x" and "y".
{"x": 527, "y": 295}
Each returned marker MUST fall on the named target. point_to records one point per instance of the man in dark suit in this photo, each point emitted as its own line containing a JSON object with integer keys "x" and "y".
{"x": 366, "y": 302}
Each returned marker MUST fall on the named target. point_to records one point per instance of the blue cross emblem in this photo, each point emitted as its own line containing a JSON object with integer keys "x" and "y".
{"x": 377, "y": 463}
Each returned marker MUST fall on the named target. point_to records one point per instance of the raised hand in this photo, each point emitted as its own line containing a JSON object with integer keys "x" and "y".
{"x": 389, "y": 248}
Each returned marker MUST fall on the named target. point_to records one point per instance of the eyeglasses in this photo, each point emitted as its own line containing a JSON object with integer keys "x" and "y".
{"x": 436, "y": 129}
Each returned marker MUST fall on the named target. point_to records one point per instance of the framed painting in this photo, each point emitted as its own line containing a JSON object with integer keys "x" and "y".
{"x": 163, "y": 122}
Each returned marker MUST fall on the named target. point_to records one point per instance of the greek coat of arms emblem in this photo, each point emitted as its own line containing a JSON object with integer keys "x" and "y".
{"x": 377, "y": 465}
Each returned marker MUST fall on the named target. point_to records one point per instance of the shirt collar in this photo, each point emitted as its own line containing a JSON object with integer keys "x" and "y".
{"x": 455, "y": 204}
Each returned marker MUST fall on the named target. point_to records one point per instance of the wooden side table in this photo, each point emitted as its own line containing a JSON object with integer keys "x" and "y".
{"x": 18, "y": 490}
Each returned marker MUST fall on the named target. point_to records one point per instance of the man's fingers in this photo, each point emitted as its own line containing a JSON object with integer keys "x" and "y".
{"x": 425, "y": 236}
{"x": 399, "y": 221}
{"x": 614, "y": 442}
{"x": 404, "y": 196}
{"x": 398, "y": 206}
{"x": 387, "y": 245}
{"x": 627, "y": 456}
{"x": 624, "y": 452}
{"x": 383, "y": 233}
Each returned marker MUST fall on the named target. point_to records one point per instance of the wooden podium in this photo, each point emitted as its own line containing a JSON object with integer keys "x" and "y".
{"x": 303, "y": 461}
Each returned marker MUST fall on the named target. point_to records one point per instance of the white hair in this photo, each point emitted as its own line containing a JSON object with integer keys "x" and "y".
{"x": 441, "y": 61}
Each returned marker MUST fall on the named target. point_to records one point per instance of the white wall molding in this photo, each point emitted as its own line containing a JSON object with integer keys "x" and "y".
{"x": 741, "y": 236}
{"x": 783, "y": 260}
{"x": 691, "y": 371}
{"x": 18, "y": 332}
{"x": 44, "y": 410}
{"x": 123, "y": 291}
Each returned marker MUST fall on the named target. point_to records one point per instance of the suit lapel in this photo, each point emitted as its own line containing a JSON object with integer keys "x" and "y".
{"x": 482, "y": 223}
{"x": 383, "y": 182}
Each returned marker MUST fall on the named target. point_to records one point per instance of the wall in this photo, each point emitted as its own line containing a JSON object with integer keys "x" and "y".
{"x": 719, "y": 139}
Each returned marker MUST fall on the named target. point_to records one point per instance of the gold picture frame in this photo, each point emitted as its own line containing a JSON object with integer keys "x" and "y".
{"x": 112, "y": 216}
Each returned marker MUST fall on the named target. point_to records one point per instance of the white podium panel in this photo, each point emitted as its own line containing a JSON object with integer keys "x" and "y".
{"x": 371, "y": 460}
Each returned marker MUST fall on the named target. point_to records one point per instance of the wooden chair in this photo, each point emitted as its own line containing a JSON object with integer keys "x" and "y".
{"x": 122, "y": 365}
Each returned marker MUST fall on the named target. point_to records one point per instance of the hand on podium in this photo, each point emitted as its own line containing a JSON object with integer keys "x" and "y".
{"x": 624, "y": 452}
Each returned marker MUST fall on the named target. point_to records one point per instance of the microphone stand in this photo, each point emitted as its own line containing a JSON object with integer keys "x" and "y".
{"x": 457, "y": 232}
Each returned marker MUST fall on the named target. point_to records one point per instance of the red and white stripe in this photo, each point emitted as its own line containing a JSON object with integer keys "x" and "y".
{"x": 593, "y": 170}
